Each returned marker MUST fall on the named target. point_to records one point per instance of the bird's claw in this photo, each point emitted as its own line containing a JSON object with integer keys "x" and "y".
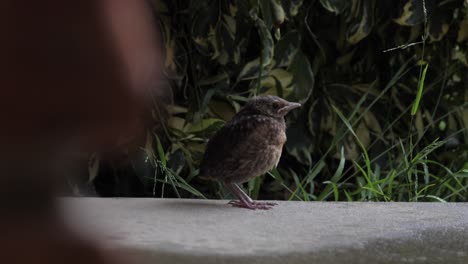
{"x": 253, "y": 205}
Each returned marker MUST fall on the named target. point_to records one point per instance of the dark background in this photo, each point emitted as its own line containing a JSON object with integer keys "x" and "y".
{"x": 356, "y": 66}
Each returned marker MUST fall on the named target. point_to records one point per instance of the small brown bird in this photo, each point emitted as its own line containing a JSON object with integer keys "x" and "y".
{"x": 248, "y": 146}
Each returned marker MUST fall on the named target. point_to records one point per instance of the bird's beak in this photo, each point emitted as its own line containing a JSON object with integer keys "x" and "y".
{"x": 290, "y": 106}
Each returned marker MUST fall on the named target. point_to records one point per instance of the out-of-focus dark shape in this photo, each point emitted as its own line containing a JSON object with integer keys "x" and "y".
{"x": 72, "y": 78}
{"x": 72, "y": 70}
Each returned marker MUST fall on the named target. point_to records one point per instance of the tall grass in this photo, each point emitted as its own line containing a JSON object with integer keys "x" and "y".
{"x": 406, "y": 161}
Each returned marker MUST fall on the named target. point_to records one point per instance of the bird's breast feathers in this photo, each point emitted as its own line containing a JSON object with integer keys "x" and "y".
{"x": 248, "y": 144}
{"x": 258, "y": 127}
{"x": 264, "y": 141}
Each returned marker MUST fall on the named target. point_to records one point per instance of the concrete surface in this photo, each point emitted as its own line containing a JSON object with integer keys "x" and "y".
{"x": 199, "y": 231}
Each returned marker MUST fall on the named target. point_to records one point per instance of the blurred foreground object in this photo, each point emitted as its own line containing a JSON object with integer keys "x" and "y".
{"x": 73, "y": 75}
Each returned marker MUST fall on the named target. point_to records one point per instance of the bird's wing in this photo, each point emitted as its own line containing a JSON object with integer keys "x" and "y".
{"x": 236, "y": 141}
{"x": 224, "y": 145}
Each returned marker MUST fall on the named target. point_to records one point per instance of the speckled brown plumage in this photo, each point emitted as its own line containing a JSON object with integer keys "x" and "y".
{"x": 248, "y": 146}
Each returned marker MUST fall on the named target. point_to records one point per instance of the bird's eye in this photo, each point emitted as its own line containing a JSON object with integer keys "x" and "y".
{"x": 276, "y": 105}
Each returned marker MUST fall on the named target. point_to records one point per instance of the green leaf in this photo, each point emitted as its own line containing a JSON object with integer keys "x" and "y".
{"x": 161, "y": 153}
{"x": 250, "y": 70}
{"x": 205, "y": 125}
{"x": 254, "y": 187}
{"x": 294, "y": 7}
{"x": 299, "y": 187}
{"x": 286, "y": 48}
{"x": 367, "y": 160}
{"x": 265, "y": 8}
{"x": 299, "y": 143}
{"x": 335, "y": 6}
{"x": 315, "y": 171}
{"x": 204, "y": 29}
{"x": 213, "y": 79}
{"x": 303, "y": 78}
{"x": 278, "y": 12}
{"x": 434, "y": 197}
{"x": 412, "y": 12}
{"x": 268, "y": 46}
{"x": 420, "y": 91}
{"x": 335, "y": 189}
{"x": 335, "y": 178}
{"x": 362, "y": 23}
{"x": 277, "y": 83}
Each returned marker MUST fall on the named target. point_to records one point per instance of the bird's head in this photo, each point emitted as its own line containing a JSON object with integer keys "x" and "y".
{"x": 270, "y": 106}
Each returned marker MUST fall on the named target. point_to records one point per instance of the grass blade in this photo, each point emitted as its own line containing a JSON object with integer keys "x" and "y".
{"x": 420, "y": 91}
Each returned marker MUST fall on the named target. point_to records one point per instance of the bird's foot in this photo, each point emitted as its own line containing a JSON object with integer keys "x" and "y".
{"x": 265, "y": 203}
{"x": 254, "y": 205}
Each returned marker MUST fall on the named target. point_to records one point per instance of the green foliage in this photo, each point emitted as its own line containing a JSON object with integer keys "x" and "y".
{"x": 376, "y": 123}
{"x": 415, "y": 108}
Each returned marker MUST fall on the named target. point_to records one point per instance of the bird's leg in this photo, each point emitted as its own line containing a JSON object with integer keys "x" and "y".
{"x": 252, "y": 201}
{"x": 245, "y": 201}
